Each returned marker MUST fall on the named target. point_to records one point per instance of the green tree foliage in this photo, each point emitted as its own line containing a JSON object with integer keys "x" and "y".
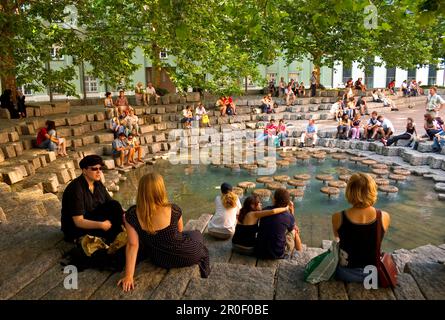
{"x": 212, "y": 44}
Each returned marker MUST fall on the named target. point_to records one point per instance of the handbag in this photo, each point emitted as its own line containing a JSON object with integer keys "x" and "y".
{"x": 205, "y": 119}
{"x": 386, "y": 267}
{"x": 323, "y": 266}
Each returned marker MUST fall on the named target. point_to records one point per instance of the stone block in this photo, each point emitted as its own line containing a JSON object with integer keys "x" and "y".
{"x": 160, "y": 126}
{"x": 45, "y": 109}
{"x": 63, "y": 176}
{"x": 18, "y": 147}
{"x": 43, "y": 162}
{"x": 104, "y": 137}
{"x": 425, "y": 147}
{"x": 4, "y": 137}
{"x": 86, "y": 140}
{"x": 193, "y": 97}
{"x": 50, "y": 156}
{"x": 154, "y": 148}
{"x": 51, "y": 183}
{"x": 72, "y": 173}
{"x": 30, "y": 111}
{"x": 8, "y": 151}
{"x": 99, "y": 116}
{"x": 90, "y": 117}
{"x": 3, "y": 216}
{"x": 435, "y": 161}
{"x": 13, "y": 136}
{"x": 165, "y": 99}
{"x": 76, "y": 143}
{"x": 11, "y": 176}
{"x": 109, "y": 164}
{"x": 174, "y": 98}
{"x": 146, "y": 128}
{"x": 160, "y": 110}
{"x": 156, "y": 119}
{"x": 78, "y": 130}
{"x": 171, "y": 108}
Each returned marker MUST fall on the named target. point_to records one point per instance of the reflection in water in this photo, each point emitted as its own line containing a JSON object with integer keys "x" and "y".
{"x": 417, "y": 217}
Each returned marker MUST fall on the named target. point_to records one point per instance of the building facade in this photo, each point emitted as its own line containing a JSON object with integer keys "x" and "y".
{"x": 377, "y": 77}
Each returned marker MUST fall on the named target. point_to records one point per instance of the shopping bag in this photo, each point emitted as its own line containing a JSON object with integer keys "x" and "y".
{"x": 322, "y": 267}
{"x": 205, "y": 119}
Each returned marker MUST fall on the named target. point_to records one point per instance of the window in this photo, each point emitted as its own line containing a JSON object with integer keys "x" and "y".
{"x": 411, "y": 74}
{"x": 163, "y": 55}
{"x": 90, "y": 84}
{"x": 390, "y": 75}
{"x": 249, "y": 82}
{"x": 55, "y": 53}
{"x": 27, "y": 91}
{"x": 432, "y": 74}
{"x": 347, "y": 74}
{"x": 293, "y": 75}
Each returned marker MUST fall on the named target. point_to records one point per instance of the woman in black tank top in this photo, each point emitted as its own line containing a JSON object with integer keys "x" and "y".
{"x": 409, "y": 134}
{"x": 356, "y": 228}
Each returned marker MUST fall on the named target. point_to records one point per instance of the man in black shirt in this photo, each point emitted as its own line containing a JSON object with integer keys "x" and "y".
{"x": 273, "y": 231}
{"x": 87, "y": 208}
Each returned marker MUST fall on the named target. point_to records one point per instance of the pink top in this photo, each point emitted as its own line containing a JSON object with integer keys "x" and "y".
{"x": 270, "y": 129}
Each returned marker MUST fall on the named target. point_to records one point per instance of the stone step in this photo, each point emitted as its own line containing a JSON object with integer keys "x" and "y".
{"x": 234, "y": 282}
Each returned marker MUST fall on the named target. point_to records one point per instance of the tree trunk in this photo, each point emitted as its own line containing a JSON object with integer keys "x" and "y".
{"x": 49, "y": 87}
{"x": 156, "y": 66}
{"x": 82, "y": 81}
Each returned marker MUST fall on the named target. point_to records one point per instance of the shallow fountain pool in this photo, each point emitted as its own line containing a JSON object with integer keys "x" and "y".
{"x": 417, "y": 216}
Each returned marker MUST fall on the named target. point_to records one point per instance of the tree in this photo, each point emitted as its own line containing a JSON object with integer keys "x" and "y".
{"x": 332, "y": 30}
{"x": 213, "y": 44}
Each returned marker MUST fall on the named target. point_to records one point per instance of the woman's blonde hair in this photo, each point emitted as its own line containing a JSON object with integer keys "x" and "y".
{"x": 361, "y": 190}
{"x": 151, "y": 196}
{"x": 229, "y": 200}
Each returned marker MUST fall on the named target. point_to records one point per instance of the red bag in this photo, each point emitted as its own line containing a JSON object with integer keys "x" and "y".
{"x": 387, "y": 269}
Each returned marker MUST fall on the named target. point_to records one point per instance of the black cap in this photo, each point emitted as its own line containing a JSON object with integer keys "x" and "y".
{"x": 91, "y": 160}
{"x": 225, "y": 187}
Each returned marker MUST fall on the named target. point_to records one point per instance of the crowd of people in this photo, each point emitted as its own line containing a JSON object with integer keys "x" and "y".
{"x": 155, "y": 229}
{"x": 17, "y": 109}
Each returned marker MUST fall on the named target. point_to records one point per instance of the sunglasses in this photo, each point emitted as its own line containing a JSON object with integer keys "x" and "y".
{"x": 95, "y": 168}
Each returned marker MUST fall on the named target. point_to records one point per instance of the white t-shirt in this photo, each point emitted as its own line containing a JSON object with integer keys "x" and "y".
{"x": 434, "y": 102}
{"x": 151, "y": 90}
{"x": 224, "y": 219}
{"x": 387, "y": 124}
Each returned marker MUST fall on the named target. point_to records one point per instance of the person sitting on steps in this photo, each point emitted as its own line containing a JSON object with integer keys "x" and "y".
{"x": 121, "y": 149}
{"x": 244, "y": 239}
{"x": 309, "y": 133}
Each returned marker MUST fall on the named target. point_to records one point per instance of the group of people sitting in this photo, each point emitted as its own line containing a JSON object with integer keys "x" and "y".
{"x": 154, "y": 225}
{"x": 276, "y": 133}
{"x": 125, "y": 146}
{"x": 128, "y": 124}
{"x": 226, "y": 106}
{"x": 411, "y": 88}
{"x": 143, "y": 95}
{"x": 16, "y": 109}
{"x": 376, "y": 124}
{"x": 271, "y": 233}
{"x": 292, "y": 90}
{"x": 379, "y": 96}
{"x": 350, "y": 107}
{"x": 201, "y": 116}
{"x": 267, "y": 104}
{"x": 48, "y": 139}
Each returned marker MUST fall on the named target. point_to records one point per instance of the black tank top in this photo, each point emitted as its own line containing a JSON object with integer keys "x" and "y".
{"x": 359, "y": 242}
{"x": 410, "y": 130}
{"x": 245, "y": 235}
